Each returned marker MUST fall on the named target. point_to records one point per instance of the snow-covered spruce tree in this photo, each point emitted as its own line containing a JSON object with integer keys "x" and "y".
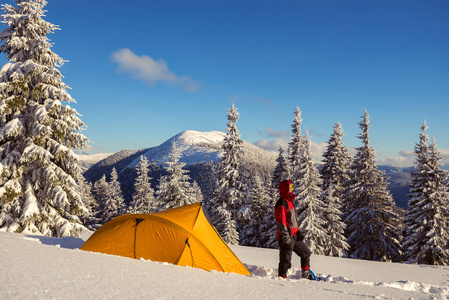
{"x": 438, "y": 244}
{"x": 268, "y": 228}
{"x": 225, "y": 225}
{"x": 426, "y": 222}
{"x": 253, "y": 230}
{"x": 143, "y": 201}
{"x": 100, "y": 192}
{"x": 414, "y": 234}
{"x": 38, "y": 169}
{"x": 85, "y": 190}
{"x": 196, "y": 193}
{"x": 335, "y": 175}
{"x": 295, "y": 149}
{"x": 245, "y": 213}
{"x": 309, "y": 205}
{"x": 230, "y": 192}
{"x": 280, "y": 173}
{"x": 336, "y": 163}
{"x": 174, "y": 189}
{"x": 335, "y": 227}
{"x": 371, "y": 222}
{"x": 115, "y": 204}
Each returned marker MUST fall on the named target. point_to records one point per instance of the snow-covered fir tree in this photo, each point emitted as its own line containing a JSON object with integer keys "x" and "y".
{"x": 85, "y": 190}
{"x": 245, "y": 213}
{"x": 225, "y": 225}
{"x": 426, "y": 231}
{"x": 115, "y": 204}
{"x": 100, "y": 192}
{"x": 174, "y": 189}
{"x": 230, "y": 193}
{"x": 196, "y": 193}
{"x": 335, "y": 175}
{"x": 280, "y": 173}
{"x": 371, "y": 222}
{"x": 295, "y": 149}
{"x": 413, "y": 235}
{"x": 309, "y": 205}
{"x": 38, "y": 129}
{"x": 438, "y": 242}
{"x": 143, "y": 200}
{"x": 336, "y": 163}
{"x": 253, "y": 230}
{"x": 335, "y": 227}
{"x": 268, "y": 227}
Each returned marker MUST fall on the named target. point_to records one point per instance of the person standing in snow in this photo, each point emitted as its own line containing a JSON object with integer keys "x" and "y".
{"x": 287, "y": 232}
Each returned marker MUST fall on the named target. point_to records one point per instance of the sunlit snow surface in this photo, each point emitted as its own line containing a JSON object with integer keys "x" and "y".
{"x": 36, "y": 267}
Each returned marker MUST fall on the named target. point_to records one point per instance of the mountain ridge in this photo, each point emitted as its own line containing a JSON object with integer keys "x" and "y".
{"x": 201, "y": 150}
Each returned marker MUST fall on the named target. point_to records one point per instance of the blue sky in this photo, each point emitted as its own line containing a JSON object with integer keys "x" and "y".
{"x": 143, "y": 71}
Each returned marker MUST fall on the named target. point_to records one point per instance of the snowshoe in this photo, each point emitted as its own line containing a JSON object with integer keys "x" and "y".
{"x": 308, "y": 274}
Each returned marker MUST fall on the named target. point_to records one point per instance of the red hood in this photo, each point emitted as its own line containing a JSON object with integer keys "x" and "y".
{"x": 284, "y": 190}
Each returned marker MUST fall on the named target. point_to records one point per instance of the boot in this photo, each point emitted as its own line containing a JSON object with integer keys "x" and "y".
{"x": 306, "y": 274}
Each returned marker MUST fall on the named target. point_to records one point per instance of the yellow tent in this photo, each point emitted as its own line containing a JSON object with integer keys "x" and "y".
{"x": 181, "y": 236}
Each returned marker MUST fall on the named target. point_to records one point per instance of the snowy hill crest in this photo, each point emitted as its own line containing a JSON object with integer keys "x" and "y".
{"x": 199, "y": 151}
{"x": 195, "y": 147}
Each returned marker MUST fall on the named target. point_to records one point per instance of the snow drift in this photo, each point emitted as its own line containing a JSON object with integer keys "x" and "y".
{"x": 36, "y": 267}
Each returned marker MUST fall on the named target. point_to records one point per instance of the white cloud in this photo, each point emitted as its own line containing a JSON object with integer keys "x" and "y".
{"x": 444, "y": 154}
{"x": 408, "y": 158}
{"x": 149, "y": 70}
{"x": 317, "y": 149}
{"x": 407, "y": 153}
{"x": 277, "y": 134}
{"x": 88, "y": 150}
{"x": 282, "y": 138}
{"x": 271, "y": 145}
{"x": 398, "y": 161}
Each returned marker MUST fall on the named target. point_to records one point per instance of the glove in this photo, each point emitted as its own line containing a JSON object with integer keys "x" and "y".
{"x": 287, "y": 243}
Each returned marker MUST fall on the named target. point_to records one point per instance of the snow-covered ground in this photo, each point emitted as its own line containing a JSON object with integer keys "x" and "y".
{"x": 36, "y": 267}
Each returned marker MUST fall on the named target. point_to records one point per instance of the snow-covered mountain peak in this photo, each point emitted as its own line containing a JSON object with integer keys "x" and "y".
{"x": 195, "y": 146}
{"x": 192, "y": 137}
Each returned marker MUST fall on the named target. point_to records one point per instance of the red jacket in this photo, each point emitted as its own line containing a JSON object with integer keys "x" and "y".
{"x": 286, "y": 222}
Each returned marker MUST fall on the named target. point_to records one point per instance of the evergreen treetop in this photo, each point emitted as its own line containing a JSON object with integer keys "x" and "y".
{"x": 336, "y": 162}
{"x": 230, "y": 195}
{"x": 280, "y": 172}
{"x": 295, "y": 147}
{"x": 143, "y": 201}
{"x": 371, "y": 222}
{"x": 174, "y": 188}
{"x": 426, "y": 229}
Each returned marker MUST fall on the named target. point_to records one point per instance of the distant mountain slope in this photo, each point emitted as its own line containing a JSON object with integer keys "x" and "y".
{"x": 398, "y": 183}
{"x": 118, "y": 160}
{"x": 195, "y": 147}
{"x": 199, "y": 150}
{"x": 88, "y": 160}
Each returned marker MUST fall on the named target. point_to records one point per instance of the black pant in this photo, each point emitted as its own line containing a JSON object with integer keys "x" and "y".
{"x": 285, "y": 254}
